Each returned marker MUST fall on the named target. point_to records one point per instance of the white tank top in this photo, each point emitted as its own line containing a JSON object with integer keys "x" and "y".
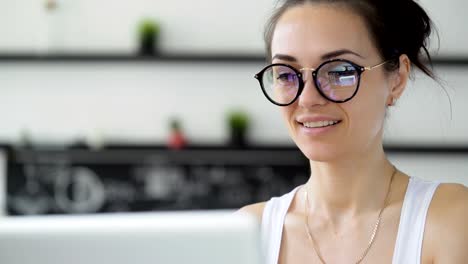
{"x": 410, "y": 231}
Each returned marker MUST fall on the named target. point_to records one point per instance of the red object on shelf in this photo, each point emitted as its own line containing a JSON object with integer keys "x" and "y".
{"x": 177, "y": 140}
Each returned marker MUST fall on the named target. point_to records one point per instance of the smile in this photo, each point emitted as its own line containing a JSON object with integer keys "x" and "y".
{"x": 318, "y": 124}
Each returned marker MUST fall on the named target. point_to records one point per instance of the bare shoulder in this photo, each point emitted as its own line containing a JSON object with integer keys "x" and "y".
{"x": 450, "y": 199}
{"x": 446, "y": 224}
{"x": 254, "y": 209}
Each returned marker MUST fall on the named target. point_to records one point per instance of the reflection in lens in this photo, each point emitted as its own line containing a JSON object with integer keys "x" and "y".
{"x": 338, "y": 80}
{"x": 281, "y": 84}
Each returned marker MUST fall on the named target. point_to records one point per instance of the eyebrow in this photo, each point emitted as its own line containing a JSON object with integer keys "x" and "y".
{"x": 325, "y": 56}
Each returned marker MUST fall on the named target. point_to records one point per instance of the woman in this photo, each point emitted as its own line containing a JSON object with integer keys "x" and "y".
{"x": 337, "y": 66}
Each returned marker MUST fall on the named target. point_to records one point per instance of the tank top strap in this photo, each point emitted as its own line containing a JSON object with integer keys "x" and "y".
{"x": 410, "y": 235}
{"x": 274, "y": 213}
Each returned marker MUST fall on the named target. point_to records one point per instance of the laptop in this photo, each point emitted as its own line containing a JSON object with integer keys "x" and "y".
{"x": 192, "y": 237}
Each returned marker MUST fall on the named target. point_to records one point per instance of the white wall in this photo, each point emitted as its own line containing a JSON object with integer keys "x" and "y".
{"x": 132, "y": 101}
{"x": 204, "y": 25}
{"x": 109, "y": 25}
{"x": 435, "y": 167}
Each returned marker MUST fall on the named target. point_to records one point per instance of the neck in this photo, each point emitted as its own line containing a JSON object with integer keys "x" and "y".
{"x": 349, "y": 187}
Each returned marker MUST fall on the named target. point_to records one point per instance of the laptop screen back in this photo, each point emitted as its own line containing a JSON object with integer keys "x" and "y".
{"x": 143, "y": 238}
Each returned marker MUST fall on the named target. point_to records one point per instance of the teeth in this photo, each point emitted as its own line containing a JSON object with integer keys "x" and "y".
{"x": 319, "y": 124}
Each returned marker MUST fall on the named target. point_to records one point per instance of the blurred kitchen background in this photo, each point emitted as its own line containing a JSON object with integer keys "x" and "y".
{"x": 110, "y": 106}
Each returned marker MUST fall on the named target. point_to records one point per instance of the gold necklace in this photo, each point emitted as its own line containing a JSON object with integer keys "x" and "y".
{"x": 374, "y": 232}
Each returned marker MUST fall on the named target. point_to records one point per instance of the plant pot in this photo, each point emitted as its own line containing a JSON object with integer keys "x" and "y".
{"x": 238, "y": 138}
{"x": 148, "y": 45}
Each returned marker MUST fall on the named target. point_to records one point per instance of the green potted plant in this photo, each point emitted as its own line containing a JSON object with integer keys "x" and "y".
{"x": 238, "y": 123}
{"x": 148, "y": 34}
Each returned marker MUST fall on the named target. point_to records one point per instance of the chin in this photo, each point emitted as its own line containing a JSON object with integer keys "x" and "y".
{"x": 321, "y": 152}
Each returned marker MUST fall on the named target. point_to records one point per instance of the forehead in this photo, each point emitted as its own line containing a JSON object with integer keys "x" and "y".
{"x": 310, "y": 30}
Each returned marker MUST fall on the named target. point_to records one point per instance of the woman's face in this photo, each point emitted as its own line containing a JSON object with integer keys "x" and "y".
{"x": 304, "y": 37}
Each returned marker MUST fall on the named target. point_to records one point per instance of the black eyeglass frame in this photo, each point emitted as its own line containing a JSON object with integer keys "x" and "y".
{"x": 360, "y": 69}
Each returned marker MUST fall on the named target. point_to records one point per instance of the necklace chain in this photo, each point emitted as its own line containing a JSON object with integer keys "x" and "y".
{"x": 374, "y": 232}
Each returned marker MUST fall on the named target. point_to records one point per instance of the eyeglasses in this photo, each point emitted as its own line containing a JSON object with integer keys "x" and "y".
{"x": 336, "y": 80}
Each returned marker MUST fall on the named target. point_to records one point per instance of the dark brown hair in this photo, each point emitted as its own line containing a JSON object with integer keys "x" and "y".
{"x": 396, "y": 27}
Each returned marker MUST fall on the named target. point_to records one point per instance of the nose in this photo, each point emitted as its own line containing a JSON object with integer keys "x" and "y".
{"x": 310, "y": 95}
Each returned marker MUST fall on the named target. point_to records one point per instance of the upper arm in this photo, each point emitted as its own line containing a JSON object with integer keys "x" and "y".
{"x": 448, "y": 224}
{"x": 254, "y": 209}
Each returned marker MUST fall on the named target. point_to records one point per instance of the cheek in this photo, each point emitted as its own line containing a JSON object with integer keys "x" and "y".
{"x": 287, "y": 114}
{"x": 369, "y": 117}
{"x": 367, "y": 112}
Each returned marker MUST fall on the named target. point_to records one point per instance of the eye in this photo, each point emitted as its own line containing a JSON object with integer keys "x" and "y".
{"x": 287, "y": 77}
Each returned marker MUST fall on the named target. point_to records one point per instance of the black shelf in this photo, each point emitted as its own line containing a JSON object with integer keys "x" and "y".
{"x": 168, "y": 58}
{"x": 428, "y": 149}
{"x": 389, "y": 148}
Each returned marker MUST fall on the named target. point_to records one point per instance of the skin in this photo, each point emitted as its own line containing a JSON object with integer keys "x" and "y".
{"x": 351, "y": 173}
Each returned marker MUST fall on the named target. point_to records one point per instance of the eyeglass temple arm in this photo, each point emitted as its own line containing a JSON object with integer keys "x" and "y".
{"x": 368, "y": 68}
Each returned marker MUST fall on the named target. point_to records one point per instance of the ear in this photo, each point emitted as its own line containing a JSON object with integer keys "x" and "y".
{"x": 399, "y": 79}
